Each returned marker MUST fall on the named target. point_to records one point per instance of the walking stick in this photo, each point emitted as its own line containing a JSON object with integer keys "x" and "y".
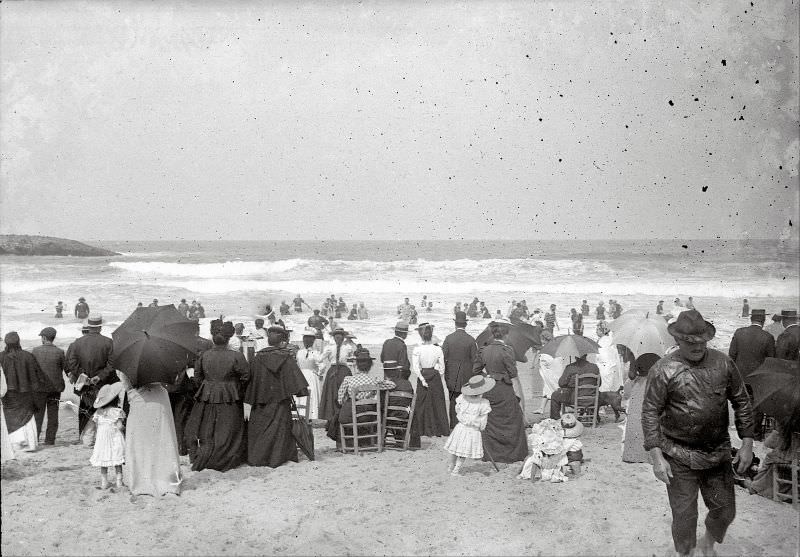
{"x": 485, "y": 450}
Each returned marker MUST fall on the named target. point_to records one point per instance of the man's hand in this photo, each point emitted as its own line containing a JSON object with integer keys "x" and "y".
{"x": 661, "y": 468}
{"x": 247, "y": 408}
{"x": 744, "y": 456}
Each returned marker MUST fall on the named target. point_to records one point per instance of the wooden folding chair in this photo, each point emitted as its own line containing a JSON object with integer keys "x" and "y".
{"x": 367, "y": 418}
{"x": 787, "y": 475}
{"x": 585, "y": 402}
{"x": 303, "y": 407}
{"x": 401, "y": 404}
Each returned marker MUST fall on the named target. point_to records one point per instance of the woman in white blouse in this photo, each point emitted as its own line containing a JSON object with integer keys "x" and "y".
{"x": 427, "y": 363}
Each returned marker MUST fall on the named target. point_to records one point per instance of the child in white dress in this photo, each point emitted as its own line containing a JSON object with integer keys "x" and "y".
{"x": 472, "y": 411}
{"x": 109, "y": 445}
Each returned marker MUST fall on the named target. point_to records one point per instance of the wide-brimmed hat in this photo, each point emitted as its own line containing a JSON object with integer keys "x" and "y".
{"x": 95, "y": 321}
{"x": 691, "y": 327}
{"x": 571, "y": 426}
{"x": 277, "y": 329}
{"x": 401, "y": 326}
{"x": 309, "y": 332}
{"x": 477, "y": 385}
{"x": 362, "y": 356}
{"x": 461, "y": 318}
{"x": 338, "y": 331}
{"x": 107, "y": 393}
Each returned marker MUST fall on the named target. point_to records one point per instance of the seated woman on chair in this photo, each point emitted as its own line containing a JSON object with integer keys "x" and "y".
{"x": 362, "y": 378}
{"x": 780, "y": 443}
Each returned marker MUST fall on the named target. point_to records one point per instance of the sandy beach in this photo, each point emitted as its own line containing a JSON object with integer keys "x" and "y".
{"x": 392, "y": 503}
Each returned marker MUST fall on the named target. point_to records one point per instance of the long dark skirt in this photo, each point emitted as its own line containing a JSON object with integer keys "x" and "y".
{"x": 504, "y": 436}
{"x": 18, "y": 408}
{"x": 330, "y": 391}
{"x": 269, "y": 435}
{"x": 430, "y": 413}
{"x": 215, "y": 435}
{"x": 181, "y": 404}
{"x": 345, "y": 416}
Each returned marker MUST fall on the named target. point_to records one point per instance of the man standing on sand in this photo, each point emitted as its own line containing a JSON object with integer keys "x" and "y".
{"x": 394, "y": 350}
{"x": 298, "y": 304}
{"x": 459, "y": 349}
{"x": 81, "y": 308}
{"x": 685, "y": 426}
{"x": 183, "y": 308}
{"x": 52, "y": 361}
{"x": 750, "y": 346}
{"x": 788, "y": 344}
{"x": 89, "y": 355}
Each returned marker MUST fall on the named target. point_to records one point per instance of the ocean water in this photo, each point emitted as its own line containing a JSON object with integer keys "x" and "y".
{"x": 237, "y": 279}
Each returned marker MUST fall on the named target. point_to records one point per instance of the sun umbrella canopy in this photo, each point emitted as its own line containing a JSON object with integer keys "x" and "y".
{"x": 642, "y": 333}
{"x": 153, "y": 344}
{"x": 776, "y": 387}
{"x": 570, "y": 346}
{"x": 521, "y": 337}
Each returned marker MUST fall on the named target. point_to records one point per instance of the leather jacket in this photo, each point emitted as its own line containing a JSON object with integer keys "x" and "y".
{"x": 685, "y": 408}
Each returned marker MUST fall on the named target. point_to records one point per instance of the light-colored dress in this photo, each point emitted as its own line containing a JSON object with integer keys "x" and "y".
{"x": 109, "y": 444}
{"x": 547, "y": 449}
{"x": 310, "y": 363}
{"x": 633, "y": 436}
{"x": 465, "y": 439}
{"x": 152, "y": 463}
{"x": 550, "y": 369}
{"x": 6, "y": 450}
{"x": 609, "y": 362}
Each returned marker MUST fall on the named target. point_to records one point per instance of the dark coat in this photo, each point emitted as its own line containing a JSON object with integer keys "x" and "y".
{"x": 90, "y": 354}
{"x": 750, "y": 346}
{"x": 498, "y": 359}
{"x": 788, "y": 344}
{"x": 274, "y": 377}
{"x": 459, "y": 350}
{"x": 23, "y": 373}
{"x": 395, "y": 349}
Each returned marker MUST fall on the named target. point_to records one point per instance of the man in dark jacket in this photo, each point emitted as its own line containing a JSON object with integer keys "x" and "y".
{"x": 685, "y": 426}
{"x": 81, "y": 308}
{"x": 395, "y": 351}
{"x": 89, "y": 355}
{"x": 566, "y": 393}
{"x": 52, "y": 361}
{"x": 788, "y": 344}
{"x": 750, "y": 346}
{"x": 459, "y": 350}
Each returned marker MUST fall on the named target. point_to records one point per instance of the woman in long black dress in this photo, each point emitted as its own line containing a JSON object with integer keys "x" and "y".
{"x": 215, "y": 433}
{"x": 336, "y": 354}
{"x": 274, "y": 379}
{"x": 427, "y": 363}
{"x": 504, "y": 437}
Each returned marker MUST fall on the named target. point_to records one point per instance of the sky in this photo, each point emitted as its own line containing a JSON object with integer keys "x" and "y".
{"x": 399, "y": 120}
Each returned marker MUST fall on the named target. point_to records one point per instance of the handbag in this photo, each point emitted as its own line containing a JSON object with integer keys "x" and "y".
{"x": 302, "y": 432}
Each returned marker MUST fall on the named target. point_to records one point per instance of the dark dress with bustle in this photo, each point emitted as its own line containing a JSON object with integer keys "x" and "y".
{"x": 328, "y": 405}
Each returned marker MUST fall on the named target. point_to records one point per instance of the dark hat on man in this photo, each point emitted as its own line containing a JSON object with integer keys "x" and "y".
{"x": 691, "y": 327}
{"x": 758, "y": 314}
{"x": 791, "y": 313}
{"x": 95, "y": 321}
{"x": 363, "y": 356}
{"x": 48, "y": 332}
{"x": 81, "y": 299}
{"x": 338, "y": 331}
{"x": 461, "y": 318}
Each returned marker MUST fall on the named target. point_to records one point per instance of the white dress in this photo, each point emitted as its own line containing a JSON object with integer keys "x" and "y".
{"x": 311, "y": 362}
{"x": 550, "y": 369}
{"x": 465, "y": 439}
{"x": 609, "y": 362}
{"x": 109, "y": 445}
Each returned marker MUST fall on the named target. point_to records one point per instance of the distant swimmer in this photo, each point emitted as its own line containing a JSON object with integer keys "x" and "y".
{"x": 153, "y": 304}
{"x": 600, "y": 311}
{"x": 201, "y": 311}
{"x": 660, "y": 308}
{"x": 362, "y": 311}
{"x": 317, "y": 321}
{"x": 60, "y": 310}
{"x": 298, "y": 304}
{"x": 81, "y": 308}
{"x": 745, "y": 308}
{"x": 284, "y": 308}
{"x": 690, "y": 303}
{"x": 585, "y": 308}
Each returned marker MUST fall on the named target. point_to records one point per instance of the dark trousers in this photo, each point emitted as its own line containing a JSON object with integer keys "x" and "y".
{"x": 46, "y": 402}
{"x": 453, "y": 419}
{"x": 559, "y": 397}
{"x": 716, "y": 487}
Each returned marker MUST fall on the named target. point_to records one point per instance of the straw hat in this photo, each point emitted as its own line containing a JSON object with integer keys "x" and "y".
{"x": 95, "y": 321}
{"x": 572, "y": 427}
{"x": 477, "y": 385}
{"x": 401, "y": 326}
{"x": 338, "y": 331}
{"x": 107, "y": 393}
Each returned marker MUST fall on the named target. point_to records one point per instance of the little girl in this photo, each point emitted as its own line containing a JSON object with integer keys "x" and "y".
{"x": 472, "y": 411}
{"x": 109, "y": 445}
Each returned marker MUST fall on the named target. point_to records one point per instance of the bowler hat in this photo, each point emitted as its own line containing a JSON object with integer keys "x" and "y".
{"x": 338, "y": 331}
{"x": 477, "y": 385}
{"x": 461, "y": 318}
{"x": 762, "y": 313}
{"x": 789, "y": 313}
{"x": 691, "y": 327}
{"x": 96, "y": 321}
{"x": 500, "y": 321}
{"x": 81, "y": 299}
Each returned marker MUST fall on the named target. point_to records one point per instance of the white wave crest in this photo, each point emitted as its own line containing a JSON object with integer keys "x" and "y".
{"x": 226, "y": 269}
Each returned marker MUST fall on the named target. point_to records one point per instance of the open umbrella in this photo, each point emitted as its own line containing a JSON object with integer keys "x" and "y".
{"x": 570, "y": 346}
{"x": 642, "y": 333}
{"x": 153, "y": 344}
{"x": 521, "y": 337}
{"x": 776, "y": 387}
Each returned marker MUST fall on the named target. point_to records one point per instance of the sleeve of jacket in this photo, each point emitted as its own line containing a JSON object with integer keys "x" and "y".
{"x": 72, "y": 364}
{"x": 510, "y": 362}
{"x": 107, "y": 372}
{"x": 770, "y": 342}
{"x": 733, "y": 351}
{"x": 241, "y": 367}
{"x": 403, "y": 360}
{"x": 655, "y": 399}
{"x": 478, "y": 363}
{"x": 742, "y": 409}
{"x": 473, "y": 350}
{"x": 565, "y": 381}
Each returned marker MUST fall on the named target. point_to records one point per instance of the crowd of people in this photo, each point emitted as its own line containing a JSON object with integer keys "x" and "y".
{"x": 228, "y": 407}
